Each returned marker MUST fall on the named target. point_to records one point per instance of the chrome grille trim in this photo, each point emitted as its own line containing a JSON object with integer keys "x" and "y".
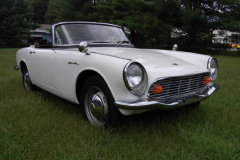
{"x": 175, "y": 86}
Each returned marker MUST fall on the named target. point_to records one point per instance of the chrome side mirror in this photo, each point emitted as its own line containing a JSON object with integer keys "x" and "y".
{"x": 83, "y": 46}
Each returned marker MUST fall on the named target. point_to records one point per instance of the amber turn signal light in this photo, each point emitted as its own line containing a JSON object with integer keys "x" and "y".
{"x": 158, "y": 89}
{"x": 207, "y": 80}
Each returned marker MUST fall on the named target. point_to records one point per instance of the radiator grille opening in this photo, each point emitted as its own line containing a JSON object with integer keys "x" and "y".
{"x": 175, "y": 86}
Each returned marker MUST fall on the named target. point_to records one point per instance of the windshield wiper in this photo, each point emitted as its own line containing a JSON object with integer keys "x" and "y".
{"x": 121, "y": 42}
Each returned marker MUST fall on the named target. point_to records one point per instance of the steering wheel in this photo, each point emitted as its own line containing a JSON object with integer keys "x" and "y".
{"x": 74, "y": 40}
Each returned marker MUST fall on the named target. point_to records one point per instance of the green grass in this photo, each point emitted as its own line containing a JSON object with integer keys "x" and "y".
{"x": 38, "y": 125}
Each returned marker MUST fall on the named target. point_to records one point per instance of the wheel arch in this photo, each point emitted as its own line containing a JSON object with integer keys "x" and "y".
{"x": 22, "y": 66}
{"x": 82, "y": 78}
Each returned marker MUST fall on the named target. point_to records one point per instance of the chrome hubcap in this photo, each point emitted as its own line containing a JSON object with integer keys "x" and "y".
{"x": 27, "y": 80}
{"x": 96, "y": 106}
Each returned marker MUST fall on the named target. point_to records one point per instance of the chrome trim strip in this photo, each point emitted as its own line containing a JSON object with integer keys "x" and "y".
{"x": 94, "y": 45}
{"x": 53, "y": 35}
{"x": 208, "y": 64}
{"x": 109, "y": 55}
{"x": 86, "y": 22}
{"x": 151, "y": 104}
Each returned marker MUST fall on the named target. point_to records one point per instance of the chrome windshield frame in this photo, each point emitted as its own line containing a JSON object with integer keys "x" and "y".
{"x": 77, "y": 22}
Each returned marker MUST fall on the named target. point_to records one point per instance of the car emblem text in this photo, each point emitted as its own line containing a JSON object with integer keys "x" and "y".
{"x": 73, "y": 63}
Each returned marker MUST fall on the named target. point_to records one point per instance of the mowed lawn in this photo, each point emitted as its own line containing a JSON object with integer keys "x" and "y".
{"x": 39, "y": 125}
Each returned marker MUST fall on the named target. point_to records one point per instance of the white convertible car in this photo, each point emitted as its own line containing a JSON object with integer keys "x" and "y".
{"x": 96, "y": 66}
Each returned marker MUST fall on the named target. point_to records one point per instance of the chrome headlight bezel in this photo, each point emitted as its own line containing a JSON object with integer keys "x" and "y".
{"x": 141, "y": 87}
{"x": 213, "y": 73}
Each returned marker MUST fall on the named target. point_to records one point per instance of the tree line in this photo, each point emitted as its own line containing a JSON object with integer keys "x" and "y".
{"x": 151, "y": 23}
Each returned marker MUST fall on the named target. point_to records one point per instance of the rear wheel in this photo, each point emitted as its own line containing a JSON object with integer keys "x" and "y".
{"x": 27, "y": 82}
{"x": 98, "y": 103}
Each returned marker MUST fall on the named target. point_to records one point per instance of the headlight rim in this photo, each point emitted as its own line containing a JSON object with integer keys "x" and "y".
{"x": 125, "y": 79}
{"x": 209, "y": 67}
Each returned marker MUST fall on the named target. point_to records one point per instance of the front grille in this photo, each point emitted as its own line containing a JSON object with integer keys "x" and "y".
{"x": 175, "y": 86}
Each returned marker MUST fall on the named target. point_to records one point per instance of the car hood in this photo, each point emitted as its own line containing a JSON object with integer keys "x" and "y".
{"x": 162, "y": 63}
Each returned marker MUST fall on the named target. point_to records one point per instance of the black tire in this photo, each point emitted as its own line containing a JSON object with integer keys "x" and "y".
{"x": 27, "y": 82}
{"x": 97, "y": 103}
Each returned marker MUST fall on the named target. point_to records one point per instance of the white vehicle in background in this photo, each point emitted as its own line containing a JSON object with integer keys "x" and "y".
{"x": 96, "y": 66}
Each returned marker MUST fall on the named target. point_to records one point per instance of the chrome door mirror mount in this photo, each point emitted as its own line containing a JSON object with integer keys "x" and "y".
{"x": 83, "y": 47}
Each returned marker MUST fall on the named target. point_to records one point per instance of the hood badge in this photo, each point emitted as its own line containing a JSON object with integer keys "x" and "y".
{"x": 175, "y": 64}
{"x": 73, "y": 63}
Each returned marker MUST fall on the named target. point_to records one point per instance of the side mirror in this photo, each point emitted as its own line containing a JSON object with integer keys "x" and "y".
{"x": 83, "y": 46}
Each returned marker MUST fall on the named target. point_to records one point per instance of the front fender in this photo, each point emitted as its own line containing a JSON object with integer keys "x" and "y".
{"x": 108, "y": 67}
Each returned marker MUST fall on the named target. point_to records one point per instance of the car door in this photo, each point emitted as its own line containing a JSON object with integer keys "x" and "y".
{"x": 42, "y": 67}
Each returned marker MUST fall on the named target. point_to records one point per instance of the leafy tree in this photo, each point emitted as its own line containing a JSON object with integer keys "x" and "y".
{"x": 140, "y": 18}
{"x": 230, "y": 15}
{"x": 15, "y": 21}
{"x": 71, "y": 10}
{"x": 53, "y": 9}
{"x": 76, "y": 10}
{"x": 151, "y": 22}
{"x": 39, "y": 9}
{"x": 198, "y": 18}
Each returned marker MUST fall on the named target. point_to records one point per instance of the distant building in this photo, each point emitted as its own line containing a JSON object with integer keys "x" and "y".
{"x": 44, "y": 32}
{"x": 219, "y": 36}
{"x": 224, "y": 36}
{"x": 177, "y": 33}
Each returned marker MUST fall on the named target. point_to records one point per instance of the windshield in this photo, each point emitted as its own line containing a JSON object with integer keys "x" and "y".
{"x": 76, "y": 33}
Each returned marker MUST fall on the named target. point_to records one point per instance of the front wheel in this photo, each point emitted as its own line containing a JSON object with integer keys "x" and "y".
{"x": 97, "y": 103}
{"x": 27, "y": 82}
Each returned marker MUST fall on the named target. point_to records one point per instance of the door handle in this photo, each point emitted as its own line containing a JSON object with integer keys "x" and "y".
{"x": 31, "y": 52}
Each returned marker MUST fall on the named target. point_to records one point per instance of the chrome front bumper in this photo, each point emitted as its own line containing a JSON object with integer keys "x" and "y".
{"x": 171, "y": 102}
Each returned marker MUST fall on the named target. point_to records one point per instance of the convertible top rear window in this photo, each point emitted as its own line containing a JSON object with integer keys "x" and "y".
{"x": 75, "y": 33}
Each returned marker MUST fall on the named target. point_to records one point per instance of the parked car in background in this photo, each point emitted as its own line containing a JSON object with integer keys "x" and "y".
{"x": 95, "y": 65}
{"x": 236, "y": 46}
{"x": 44, "y": 43}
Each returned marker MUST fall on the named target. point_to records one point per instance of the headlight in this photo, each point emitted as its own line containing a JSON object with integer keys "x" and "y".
{"x": 213, "y": 66}
{"x": 135, "y": 78}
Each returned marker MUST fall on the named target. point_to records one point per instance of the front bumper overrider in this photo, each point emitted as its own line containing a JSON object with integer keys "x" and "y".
{"x": 170, "y": 103}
